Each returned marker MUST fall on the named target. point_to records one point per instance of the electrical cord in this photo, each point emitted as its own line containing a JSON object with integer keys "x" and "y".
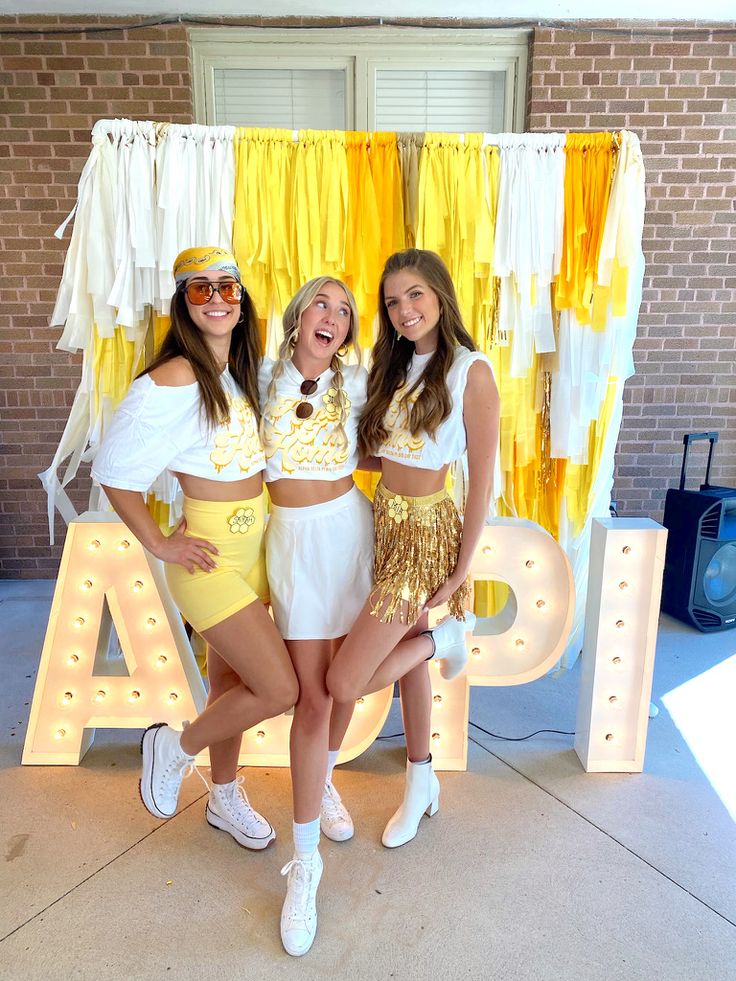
{"x": 652, "y": 33}
{"x": 495, "y": 735}
{"x": 519, "y": 739}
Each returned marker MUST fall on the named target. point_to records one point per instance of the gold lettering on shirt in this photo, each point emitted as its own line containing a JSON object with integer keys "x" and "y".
{"x": 400, "y": 441}
{"x": 239, "y": 440}
{"x": 312, "y": 444}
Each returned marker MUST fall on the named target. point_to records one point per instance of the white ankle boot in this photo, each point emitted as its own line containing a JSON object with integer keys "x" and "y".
{"x": 421, "y": 796}
{"x": 449, "y": 644}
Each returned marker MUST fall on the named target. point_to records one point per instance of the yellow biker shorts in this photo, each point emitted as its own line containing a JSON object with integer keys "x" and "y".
{"x": 236, "y": 529}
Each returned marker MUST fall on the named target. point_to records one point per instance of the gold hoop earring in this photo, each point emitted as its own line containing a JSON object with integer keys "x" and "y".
{"x": 342, "y": 351}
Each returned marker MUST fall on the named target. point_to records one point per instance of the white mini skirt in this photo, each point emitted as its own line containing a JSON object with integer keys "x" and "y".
{"x": 320, "y": 566}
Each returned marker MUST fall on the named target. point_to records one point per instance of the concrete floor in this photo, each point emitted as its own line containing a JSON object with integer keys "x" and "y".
{"x": 532, "y": 869}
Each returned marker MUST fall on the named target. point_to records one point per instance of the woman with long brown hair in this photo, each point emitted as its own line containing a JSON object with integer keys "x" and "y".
{"x": 195, "y": 413}
{"x": 431, "y": 398}
{"x": 319, "y": 552}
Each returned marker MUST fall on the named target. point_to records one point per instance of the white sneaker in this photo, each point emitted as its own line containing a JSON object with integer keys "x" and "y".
{"x": 229, "y": 810}
{"x": 165, "y": 764}
{"x": 299, "y": 913}
{"x": 334, "y": 820}
{"x": 449, "y": 644}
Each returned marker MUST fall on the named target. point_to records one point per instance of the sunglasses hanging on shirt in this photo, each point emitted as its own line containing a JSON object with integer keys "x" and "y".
{"x": 307, "y": 387}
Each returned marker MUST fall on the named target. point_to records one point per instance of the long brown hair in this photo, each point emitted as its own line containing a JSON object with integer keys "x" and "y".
{"x": 392, "y": 354}
{"x": 292, "y": 319}
{"x": 184, "y": 339}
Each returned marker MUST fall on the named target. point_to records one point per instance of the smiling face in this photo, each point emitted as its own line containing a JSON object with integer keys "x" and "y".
{"x": 215, "y": 318}
{"x": 413, "y": 308}
{"x": 325, "y": 323}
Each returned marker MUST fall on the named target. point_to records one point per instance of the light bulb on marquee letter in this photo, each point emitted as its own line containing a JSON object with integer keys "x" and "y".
{"x": 107, "y": 564}
{"x": 624, "y": 589}
{"x": 163, "y": 683}
{"x": 508, "y": 649}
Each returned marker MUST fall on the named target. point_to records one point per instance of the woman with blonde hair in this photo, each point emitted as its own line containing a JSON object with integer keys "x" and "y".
{"x": 319, "y": 555}
{"x": 195, "y": 413}
{"x": 431, "y": 398}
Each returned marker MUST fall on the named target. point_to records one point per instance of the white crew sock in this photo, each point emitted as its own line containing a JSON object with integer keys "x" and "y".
{"x": 331, "y": 760}
{"x": 306, "y": 838}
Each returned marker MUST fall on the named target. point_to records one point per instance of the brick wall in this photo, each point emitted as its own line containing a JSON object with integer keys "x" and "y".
{"x": 680, "y": 96}
{"x": 54, "y": 89}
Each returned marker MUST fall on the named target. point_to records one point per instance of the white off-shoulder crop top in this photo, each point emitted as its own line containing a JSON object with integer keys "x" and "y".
{"x": 162, "y": 427}
{"x": 309, "y": 449}
{"x": 449, "y": 441}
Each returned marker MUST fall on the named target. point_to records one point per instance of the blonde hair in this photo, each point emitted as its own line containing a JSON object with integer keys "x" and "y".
{"x": 292, "y": 319}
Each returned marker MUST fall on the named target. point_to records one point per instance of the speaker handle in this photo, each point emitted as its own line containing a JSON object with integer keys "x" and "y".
{"x": 689, "y": 438}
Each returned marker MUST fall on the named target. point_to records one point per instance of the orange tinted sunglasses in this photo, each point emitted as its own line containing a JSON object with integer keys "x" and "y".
{"x": 201, "y": 293}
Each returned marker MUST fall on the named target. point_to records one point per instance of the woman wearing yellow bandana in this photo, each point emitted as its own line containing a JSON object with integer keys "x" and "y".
{"x": 195, "y": 412}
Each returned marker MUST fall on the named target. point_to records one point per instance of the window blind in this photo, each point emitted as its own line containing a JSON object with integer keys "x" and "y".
{"x": 284, "y": 98}
{"x": 440, "y": 100}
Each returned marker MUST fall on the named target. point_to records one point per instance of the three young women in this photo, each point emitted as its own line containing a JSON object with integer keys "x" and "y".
{"x": 195, "y": 411}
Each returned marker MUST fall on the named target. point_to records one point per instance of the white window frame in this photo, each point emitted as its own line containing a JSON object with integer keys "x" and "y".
{"x": 361, "y": 52}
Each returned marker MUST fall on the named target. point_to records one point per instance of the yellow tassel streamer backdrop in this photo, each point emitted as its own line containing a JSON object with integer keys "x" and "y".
{"x": 340, "y": 203}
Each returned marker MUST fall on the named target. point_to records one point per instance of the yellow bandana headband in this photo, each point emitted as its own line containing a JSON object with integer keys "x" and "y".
{"x": 204, "y": 258}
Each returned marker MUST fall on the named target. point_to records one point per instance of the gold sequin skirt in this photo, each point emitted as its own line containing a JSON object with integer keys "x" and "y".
{"x": 417, "y": 544}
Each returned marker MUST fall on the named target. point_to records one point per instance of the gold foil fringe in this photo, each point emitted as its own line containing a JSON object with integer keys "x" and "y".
{"x": 415, "y": 555}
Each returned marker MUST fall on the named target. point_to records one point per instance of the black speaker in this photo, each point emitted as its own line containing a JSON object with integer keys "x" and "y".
{"x": 699, "y": 585}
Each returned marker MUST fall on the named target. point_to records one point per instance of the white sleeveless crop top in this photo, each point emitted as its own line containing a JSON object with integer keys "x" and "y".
{"x": 309, "y": 449}
{"x": 449, "y": 441}
{"x": 161, "y": 427}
